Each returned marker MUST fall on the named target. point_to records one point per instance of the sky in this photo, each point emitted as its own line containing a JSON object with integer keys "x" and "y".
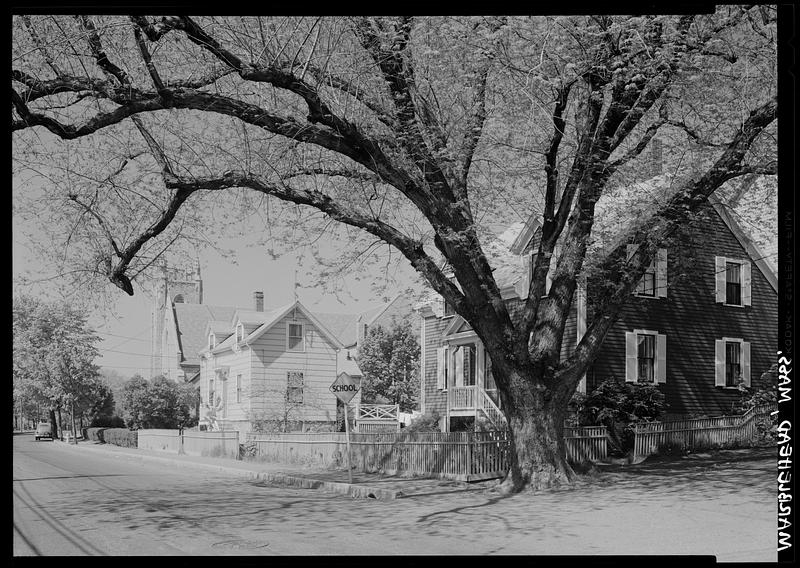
{"x": 230, "y": 281}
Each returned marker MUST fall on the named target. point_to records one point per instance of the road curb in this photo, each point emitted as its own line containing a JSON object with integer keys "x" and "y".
{"x": 341, "y": 488}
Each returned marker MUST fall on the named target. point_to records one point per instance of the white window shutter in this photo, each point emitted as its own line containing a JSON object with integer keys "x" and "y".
{"x": 746, "y": 363}
{"x": 719, "y": 278}
{"x": 459, "y": 367}
{"x": 661, "y": 358}
{"x": 661, "y": 273}
{"x": 630, "y": 357}
{"x": 746, "y": 284}
{"x": 719, "y": 363}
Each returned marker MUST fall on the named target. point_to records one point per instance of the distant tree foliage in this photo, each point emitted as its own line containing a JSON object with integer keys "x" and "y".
{"x": 389, "y": 360}
{"x": 53, "y": 359}
{"x": 158, "y": 403}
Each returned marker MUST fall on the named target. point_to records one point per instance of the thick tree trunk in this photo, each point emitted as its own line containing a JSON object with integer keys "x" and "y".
{"x": 60, "y": 425}
{"x": 536, "y": 425}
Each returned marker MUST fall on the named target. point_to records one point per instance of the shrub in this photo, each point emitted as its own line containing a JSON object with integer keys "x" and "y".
{"x": 619, "y": 406}
{"x": 428, "y": 422}
{"x": 121, "y": 437}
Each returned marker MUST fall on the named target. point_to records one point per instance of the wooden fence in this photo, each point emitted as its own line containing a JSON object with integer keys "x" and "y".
{"x": 159, "y": 440}
{"x": 213, "y": 444}
{"x": 377, "y": 418}
{"x": 192, "y": 442}
{"x": 463, "y": 456}
{"x": 698, "y": 433}
{"x": 586, "y": 444}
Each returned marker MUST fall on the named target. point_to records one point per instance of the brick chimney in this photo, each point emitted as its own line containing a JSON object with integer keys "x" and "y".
{"x": 258, "y": 301}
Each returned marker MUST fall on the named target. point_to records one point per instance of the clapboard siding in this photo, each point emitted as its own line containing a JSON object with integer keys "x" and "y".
{"x": 271, "y": 363}
{"x": 692, "y": 321}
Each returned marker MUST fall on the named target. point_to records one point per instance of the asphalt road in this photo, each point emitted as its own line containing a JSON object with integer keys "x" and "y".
{"x": 73, "y": 502}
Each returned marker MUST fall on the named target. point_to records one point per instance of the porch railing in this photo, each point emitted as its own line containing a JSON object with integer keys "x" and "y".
{"x": 462, "y": 398}
{"x": 377, "y": 418}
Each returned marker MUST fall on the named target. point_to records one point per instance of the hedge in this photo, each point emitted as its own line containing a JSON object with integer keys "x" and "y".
{"x": 117, "y": 436}
{"x": 121, "y": 437}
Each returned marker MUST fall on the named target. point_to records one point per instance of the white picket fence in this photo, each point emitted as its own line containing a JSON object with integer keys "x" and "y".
{"x": 698, "y": 433}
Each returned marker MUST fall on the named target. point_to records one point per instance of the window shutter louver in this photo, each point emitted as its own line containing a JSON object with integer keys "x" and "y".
{"x": 746, "y": 363}
{"x": 719, "y": 278}
{"x": 630, "y": 357}
{"x": 719, "y": 363}
{"x": 661, "y": 273}
{"x": 661, "y": 358}
{"x": 746, "y": 284}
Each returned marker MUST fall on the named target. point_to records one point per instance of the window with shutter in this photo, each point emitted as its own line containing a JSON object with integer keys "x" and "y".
{"x": 645, "y": 356}
{"x": 732, "y": 362}
{"x": 733, "y": 281}
{"x": 654, "y": 280}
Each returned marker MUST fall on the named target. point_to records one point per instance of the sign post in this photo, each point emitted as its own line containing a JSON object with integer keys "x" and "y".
{"x": 345, "y": 388}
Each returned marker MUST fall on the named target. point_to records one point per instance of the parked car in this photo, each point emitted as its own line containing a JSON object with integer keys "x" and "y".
{"x": 43, "y": 431}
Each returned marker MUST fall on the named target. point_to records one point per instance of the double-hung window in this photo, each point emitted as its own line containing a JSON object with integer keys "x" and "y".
{"x": 733, "y": 281}
{"x": 295, "y": 338}
{"x": 654, "y": 280}
{"x": 645, "y": 356}
{"x": 294, "y": 387}
{"x": 732, "y": 362}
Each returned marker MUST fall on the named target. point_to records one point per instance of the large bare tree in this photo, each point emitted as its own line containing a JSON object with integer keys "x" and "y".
{"x": 421, "y": 133}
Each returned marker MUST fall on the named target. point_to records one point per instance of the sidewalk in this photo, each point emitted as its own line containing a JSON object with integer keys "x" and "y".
{"x": 365, "y": 485}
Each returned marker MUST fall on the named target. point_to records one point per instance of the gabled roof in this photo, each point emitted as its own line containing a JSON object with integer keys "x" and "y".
{"x": 760, "y": 260}
{"x": 623, "y": 205}
{"x": 343, "y": 326}
{"x": 277, "y": 315}
{"x": 249, "y": 317}
{"x": 191, "y": 322}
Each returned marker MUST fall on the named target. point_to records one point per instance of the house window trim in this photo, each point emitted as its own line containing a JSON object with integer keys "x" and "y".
{"x": 742, "y": 357}
{"x": 658, "y": 268}
{"x": 302, "y": 336}
{"x": 745, "y": 281}
{"x": 239, "y": 332}
{"x": 212, "y": 340}
{"x": 658, "y": 361}
{"x": 301, "y": 387}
